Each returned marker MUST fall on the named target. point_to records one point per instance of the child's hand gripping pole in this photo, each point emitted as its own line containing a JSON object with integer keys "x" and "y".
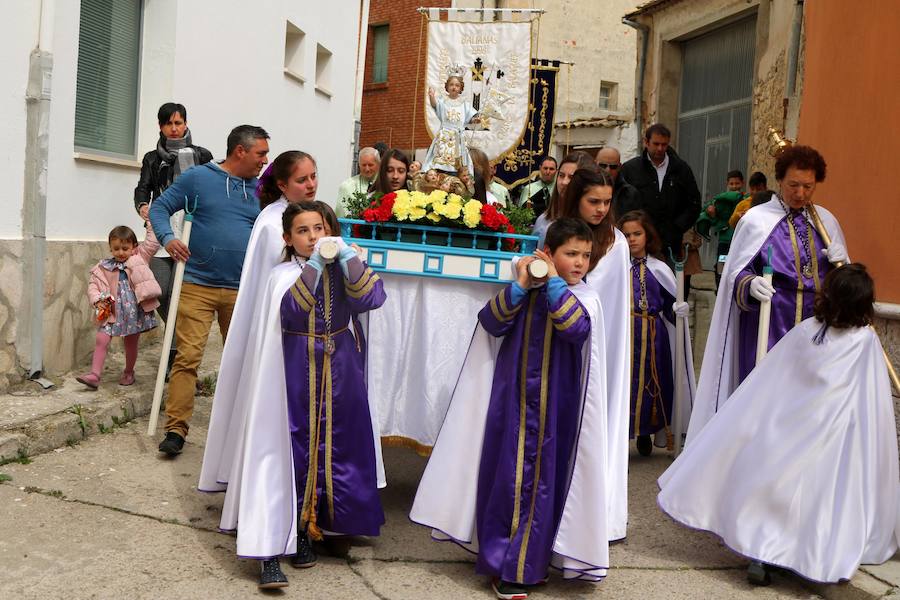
{"x": 677, "y": 402}
{"x": 765, "y": 313}
{"x": 170, "y": 318}
{"x": 820, "y": 227}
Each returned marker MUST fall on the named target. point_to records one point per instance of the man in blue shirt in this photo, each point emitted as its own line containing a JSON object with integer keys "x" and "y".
{"x": 224, "y": 204}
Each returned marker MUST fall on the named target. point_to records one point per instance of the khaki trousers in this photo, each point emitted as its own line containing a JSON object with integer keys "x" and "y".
{"x": 197, "y": 308}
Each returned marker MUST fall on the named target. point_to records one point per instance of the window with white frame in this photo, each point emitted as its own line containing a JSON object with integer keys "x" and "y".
{"x": 109, "y": 60}
{"x": 608, "y": 95}
{"x": 380, "y": 35}
{"x": 294, "y": 50}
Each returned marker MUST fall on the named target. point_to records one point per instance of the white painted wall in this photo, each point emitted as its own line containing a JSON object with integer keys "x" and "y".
{"x": 16, "y": 44}
{"x": 222, "y": 59}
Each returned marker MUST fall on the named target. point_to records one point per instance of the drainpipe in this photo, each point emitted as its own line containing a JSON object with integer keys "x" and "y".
{"x": 639, "y": 86}
{"x": 794, "y": 52}
{"x": 34, "y": 210}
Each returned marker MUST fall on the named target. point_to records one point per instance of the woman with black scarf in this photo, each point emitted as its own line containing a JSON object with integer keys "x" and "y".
{"x": 174, "y": 154}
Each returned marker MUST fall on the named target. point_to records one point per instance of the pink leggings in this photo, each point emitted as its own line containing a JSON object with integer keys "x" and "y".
{"x": 101, "y": 345}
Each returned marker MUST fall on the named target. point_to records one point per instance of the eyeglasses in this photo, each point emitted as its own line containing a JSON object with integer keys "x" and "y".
{"x": 609, "y": 166}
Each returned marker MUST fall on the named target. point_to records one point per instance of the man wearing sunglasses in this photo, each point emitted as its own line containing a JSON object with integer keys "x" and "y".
{"x": 625, "y": 195}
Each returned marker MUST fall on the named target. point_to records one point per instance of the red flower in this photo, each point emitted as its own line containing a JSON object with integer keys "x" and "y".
{"x": 380, "y": 209}
{"x": 492, "y": 219}
{"x": 510, "y": 242}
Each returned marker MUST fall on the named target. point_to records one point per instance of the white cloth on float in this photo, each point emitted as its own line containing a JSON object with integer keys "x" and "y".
{"x": 799, "y": 468}
{"x": 416, "y": 350}
{"x": 447, "y": 494}
{"x": 719, "y": 370}
{"x": 611, "y": 279}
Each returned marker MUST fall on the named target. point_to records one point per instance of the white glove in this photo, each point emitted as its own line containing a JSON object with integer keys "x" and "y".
{"x": 681, "y": 309}
{"x": 836, "y": 253}
{"x": 761, "y": 289}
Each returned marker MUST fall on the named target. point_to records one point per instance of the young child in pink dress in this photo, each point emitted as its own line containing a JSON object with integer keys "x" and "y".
{"x": 124, "y": 293}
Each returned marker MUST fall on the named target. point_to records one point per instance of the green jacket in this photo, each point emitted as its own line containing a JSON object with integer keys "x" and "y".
{"x": 724, "y": 203}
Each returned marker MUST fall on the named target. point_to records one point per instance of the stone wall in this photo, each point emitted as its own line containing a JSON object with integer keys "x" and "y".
{"x": 767, "y": 111}
{"x": 68, "y": 328}
{"x": 11, "y": 287}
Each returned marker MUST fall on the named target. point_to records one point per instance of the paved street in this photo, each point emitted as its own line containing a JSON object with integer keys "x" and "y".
{"x": 109, "y": 518}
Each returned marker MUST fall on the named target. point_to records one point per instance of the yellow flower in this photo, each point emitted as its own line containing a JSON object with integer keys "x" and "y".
{"x": 418, "y": 199}
{"x": 438, "y": 196}
{"x": 451, "y": 210}
{"x": 416, "y": 213}
{"x": 472, "y": 213}
{"x": 455, "y": 199}
{"x": 401, "y": 207}
{"x": 402, "y": 195}
{"x": 435, "y": 217}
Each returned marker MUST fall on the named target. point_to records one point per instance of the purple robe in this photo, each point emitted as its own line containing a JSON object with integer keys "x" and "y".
{"x": 530, "y": 431}
{"x": 652, "y": 385}
{"x": 795, "y": 291}
{"x": 341, "y": 486}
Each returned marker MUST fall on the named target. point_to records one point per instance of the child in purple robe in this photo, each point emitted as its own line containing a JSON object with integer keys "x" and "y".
{"x": 532, "y": 421}
{"x": 332, "y": 440}
{"x": 652, "y": 308}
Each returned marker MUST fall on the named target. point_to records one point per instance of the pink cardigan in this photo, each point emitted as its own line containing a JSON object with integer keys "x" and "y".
{"x": 146, "y": 289}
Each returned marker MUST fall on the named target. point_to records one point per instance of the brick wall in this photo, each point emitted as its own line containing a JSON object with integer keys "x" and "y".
{"x": 387, "y": 108}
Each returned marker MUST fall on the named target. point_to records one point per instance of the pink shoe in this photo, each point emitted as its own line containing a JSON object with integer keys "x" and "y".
{"x": 92, "y": 380}
{"x": 127, "y": 378}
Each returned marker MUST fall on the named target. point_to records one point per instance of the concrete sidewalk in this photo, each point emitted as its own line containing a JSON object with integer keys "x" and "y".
{"x": 34, "y": 421}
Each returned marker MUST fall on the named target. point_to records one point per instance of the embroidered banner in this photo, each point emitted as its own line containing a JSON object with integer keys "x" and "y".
{"x": 518, "y": 164}
{"x": 493, "y": 60}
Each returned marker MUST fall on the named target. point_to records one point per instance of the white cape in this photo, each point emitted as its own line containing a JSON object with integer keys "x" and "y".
{"x": 239, "y": 365}
{"x": 666, "y": 278}
{"x": 719, "y": 371}
{"x": 446, "y": 498}
{"x": 611, "y": 280}
{"x": 799, "y": 468}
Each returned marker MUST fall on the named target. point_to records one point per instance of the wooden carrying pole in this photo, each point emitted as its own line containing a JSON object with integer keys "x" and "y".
{"x": 170, "y": 321}
{"x": 820, "y": 227}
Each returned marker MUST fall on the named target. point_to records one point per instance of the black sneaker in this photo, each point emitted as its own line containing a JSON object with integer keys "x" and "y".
{"x": 172, "y": 444}
{"x": 644, "y": 445}
{"x": 270, "y": 575}
{"x": 504, "y": 590}
{"x": 306, "y": 556}
{"x": 758, "y": 574}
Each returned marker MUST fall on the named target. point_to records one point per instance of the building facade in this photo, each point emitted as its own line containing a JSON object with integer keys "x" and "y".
{"x": 720, "y": 73}
{"x": 84, "y": 81}
{"x": 594, "y": 105}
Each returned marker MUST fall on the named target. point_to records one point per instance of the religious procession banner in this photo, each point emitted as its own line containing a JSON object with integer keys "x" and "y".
{"x": 517, "y": 165}
{"x": 493, "y": 60}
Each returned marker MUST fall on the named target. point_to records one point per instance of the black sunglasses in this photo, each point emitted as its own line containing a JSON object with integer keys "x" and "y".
{"x": 609, "y": 166}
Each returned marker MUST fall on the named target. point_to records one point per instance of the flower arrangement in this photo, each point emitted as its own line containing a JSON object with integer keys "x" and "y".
{"x": 436, "y": 208}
